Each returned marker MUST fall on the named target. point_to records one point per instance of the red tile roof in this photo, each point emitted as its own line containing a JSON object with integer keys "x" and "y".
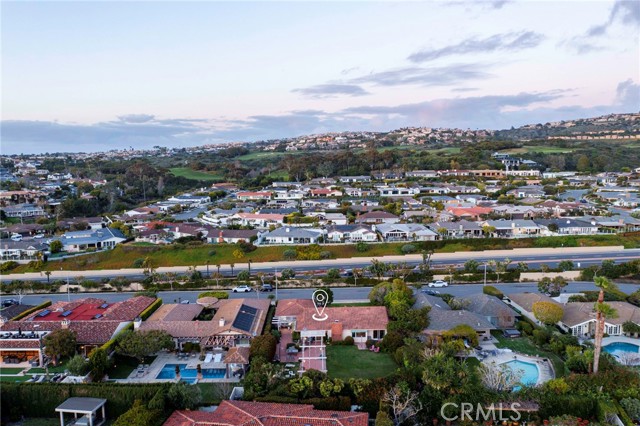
{"x": 247, "y": 413}
{"x": 351, "y": 317}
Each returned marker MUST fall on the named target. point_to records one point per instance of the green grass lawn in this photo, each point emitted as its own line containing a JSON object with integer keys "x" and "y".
{"x": 188, "y": 173}
{"x": 14, "y": 379}
{"x": 10, "y": 370}
{"x": 345, "y": 362}
{"x": 525, "y": 346}
{"x": 52, "y": 369}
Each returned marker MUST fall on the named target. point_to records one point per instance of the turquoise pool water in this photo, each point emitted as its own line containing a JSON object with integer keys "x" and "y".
{"x": 531, "y": 372}
{"x": 189, "y": 375}
{"x": 617, "y": 347}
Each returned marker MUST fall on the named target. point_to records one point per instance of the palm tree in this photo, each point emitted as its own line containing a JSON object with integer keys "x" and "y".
{"x": 603, "y": 311}
{"x": 232, "y": 265}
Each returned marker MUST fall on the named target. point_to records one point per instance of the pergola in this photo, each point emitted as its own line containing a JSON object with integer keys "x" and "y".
{"x": 86, "y": 407}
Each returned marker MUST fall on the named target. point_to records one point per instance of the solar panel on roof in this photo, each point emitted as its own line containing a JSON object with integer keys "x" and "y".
{"x": 103, "y": 306}
{"x": 44, "y": 313}
{"x": 96, "y": 316}
{"x": 66, "y": 313}
{"x": 245, "y": 318}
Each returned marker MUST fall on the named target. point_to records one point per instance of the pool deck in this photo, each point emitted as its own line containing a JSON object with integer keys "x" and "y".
{"x": 545, "y": 369}
{"x": 619, "y": 339}
{"x": 630, "y": 358}
{"x": 149, "y": 373}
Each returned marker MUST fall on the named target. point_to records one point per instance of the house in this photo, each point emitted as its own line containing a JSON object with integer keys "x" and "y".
{"x": 248, "y": 195}
{"x": 24, "y": 210}
{"x": 330, "y": 218}
{"x": 288, "y": 194}
{"x": 94, "y": 322}
{"x": 350, "y": 234}
{"x": 469, "y": 213}
{"x": 459, "y": 229}
{"x": 567, "y": 226}
{"x": 355, "y": 179}
{"x": 405, "y": 232}
{"x": 291, "y": 235}
{"x": 377, "y": 217}
{"x": 579, "y": 318}
{"x": 258, "y": 220}
{"x": 441, "y": 321}
{"x": 16, "y": 250}
{"x": 527, "y": 192}
{"x": 231, "y": 236}
{"x": 235, "y": 322}
{"x": 425, "y": 174}
{"x": 94, "y": 223}
{"x": 248, "y": 413}
{"x": 325, "y": 193}
{"x": 514, "y": 228}
{"x": 518, "y": 212}
{"x": 523, "y": 303}
{"x": 492, "y": 309}
{"x": 190, "y": 200}
{"x": 523, "y": 173}
{"x": 397, "y": 191}
{"x": 360, "y": 322}
{"x": 77, "y": 241}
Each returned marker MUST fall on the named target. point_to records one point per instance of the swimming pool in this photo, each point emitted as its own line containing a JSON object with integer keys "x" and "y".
{"x": 530, "y": 372}
{"x": 617, "y": 347}
{"x": 189, "y": 375}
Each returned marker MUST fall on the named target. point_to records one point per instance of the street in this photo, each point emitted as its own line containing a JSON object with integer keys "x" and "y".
{"x": 340, "y": 293}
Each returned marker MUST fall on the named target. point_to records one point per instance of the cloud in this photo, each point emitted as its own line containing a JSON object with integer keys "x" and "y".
{"x": 581, "y": 45}
{"x": 512, "y": 41}
{"x": 331, "y": 90}
{"x": 628, "y": 95}
{"x": 485, "y": 4}
{"x": 136, "y": 118}
{"x": 433, "y": 76}
{"x": 626, "y": 12}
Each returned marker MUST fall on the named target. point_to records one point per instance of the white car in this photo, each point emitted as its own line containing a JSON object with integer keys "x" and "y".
{"x": 242, "y": 289}
{"x": 438, "y": 283}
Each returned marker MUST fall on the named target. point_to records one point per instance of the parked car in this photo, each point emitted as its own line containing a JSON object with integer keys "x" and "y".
{"x": 185, "y": 302}
{"x": 431, "y": 292}
{"x": 242, "y": 289}
{"x": 266, "y": 287}
{"x": 9, "y": 302}
{"x": 438, "y": 283}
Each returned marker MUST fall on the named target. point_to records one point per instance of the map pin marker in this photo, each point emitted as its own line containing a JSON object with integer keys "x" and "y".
{"x": 320, "y": 299}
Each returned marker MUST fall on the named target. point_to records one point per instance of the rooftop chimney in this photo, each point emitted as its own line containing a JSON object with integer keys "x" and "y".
{"x": 65, "y": 324}
{"x": 221, "y": 322}
{"x": 137, "y": 323}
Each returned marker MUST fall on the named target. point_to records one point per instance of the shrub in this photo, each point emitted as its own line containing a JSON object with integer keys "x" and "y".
{"x": 246, "y": 247}
{"x": 216, "y": 294}
{"x": 138, "y": 263}
{"x": 138, "y": 415}
{"x": 150, "y": 309}
{"x": 408, "y": 248}
{"x": 32, "y": 310}
{"x": 524, "y": 327}
{"x": 287, "y": 274}
{"x": 243, "y": 276}
{"x": 326, "y": 254}
{"x": 77, "y": 366}
{"x": 290, "y": 254}
{"x": 547, "y": 312}
{"x": 7, "y": 266}
{"x": 361, "y": 247}
{"x": 632, "y": 407}
{"x": 333, "y": 273}
{"x": 492, "y": 291}
{"x": 348, "y": 341}
{"x": 212, "y": 253}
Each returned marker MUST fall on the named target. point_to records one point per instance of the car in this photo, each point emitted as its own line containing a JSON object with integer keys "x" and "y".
{"x": 9, "y": 302}
{"x": 38, "y": 236}
{"x": 242, "y": 289}
{"x": 438, "y": 283}
{"x": 266, "y": 287}
{"x": 16, "y": 237}
{"x": 185, "y": 302}
{"x": 431, "y": 292}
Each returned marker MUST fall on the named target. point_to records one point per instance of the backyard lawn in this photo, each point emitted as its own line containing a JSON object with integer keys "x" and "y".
{"x": 345, "y": 362}
{"x": 524, "y": 346}
{"x": 124, "y": 365}
{"x": 188, "y": 173}
{"x": 10, "y": 370}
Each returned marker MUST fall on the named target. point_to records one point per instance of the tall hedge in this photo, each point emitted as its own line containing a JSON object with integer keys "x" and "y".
{"x": 216, "y": 294}
{"x": 151, "y": 309}
{"x": 492, "y": 291}
{"x": 41, "y": 399}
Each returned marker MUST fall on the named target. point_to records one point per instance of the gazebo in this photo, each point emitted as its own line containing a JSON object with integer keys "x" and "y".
{"x": 87, "y": 408}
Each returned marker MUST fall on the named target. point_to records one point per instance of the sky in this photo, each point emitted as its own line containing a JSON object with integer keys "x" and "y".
{"x": 100, "y": 75}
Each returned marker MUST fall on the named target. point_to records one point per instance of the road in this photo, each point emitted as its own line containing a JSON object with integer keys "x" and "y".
{"x": 340, "y": 293}
{"x": 581, "y": 256}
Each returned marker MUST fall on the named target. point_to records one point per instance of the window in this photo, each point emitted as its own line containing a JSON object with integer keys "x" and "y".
{"x": 358, "y": 334}
{"x": 378, "y": 334}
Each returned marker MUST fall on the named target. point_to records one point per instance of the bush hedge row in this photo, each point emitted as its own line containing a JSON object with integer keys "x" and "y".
{"x": 151, "y": 309}
{"x": 216, "y": 294}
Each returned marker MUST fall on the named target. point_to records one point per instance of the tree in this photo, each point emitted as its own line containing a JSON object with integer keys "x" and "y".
{"x": 182, "y": 396}
{"x": 382, "y": 419}
{"x": 471, "y": 266}
{"x": 99, "y": 363}
{"x": 404, "y": 403}
{"x": 602, "y": 311}
{"x": 499, "y": 377}
{"x": 55, "y": 246}
{"x": 77, "y": 366}
{"x": 263, "y": 346}
{"x": 500, "y": 267}
{"x": 553, "y": 287}
{"x": 287, "y": 274}
{"x": 290, "y": 254}
{"x": 138, "y": 344}
{"x": 59, "y": 344}
{"x": 547, "y": 312}
{"x": 488, "y": 230}
{"x": 329, "y": 294}
{"x": 378, "y": 268}
{"x": 137, "y": 415}
{"x": 243, "y": 276}
{"x": 583, "y": 164}
{"x": 238, "y": 254}
{"x": 565, "y": 265}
